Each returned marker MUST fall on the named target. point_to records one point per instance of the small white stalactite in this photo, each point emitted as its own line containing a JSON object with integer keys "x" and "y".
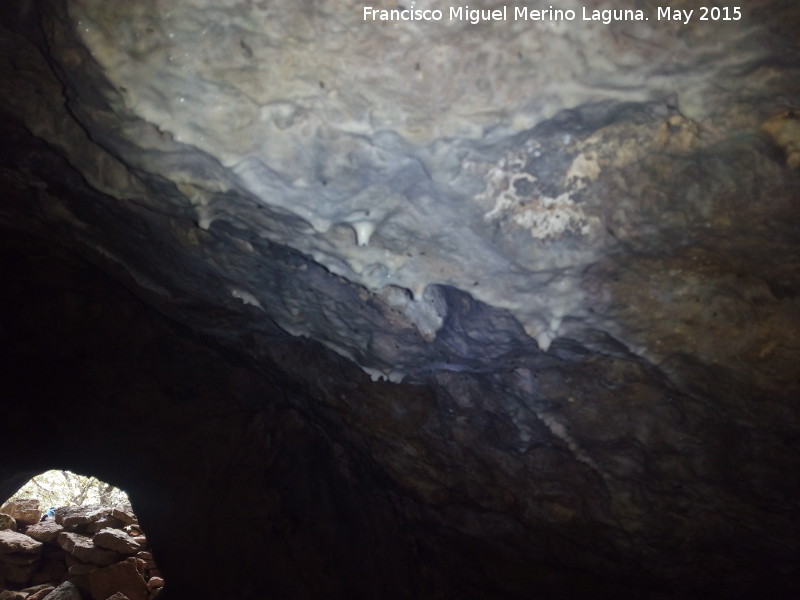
{"x": 246, "y": 298}
{"x": 364, "y": 231}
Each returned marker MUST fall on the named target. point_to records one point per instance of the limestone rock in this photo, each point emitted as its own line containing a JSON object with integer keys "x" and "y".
{"x": 124, "y": 513}
{"x": 82, "y": 548}
{"x": 106, "y": 521}
{"x": 121, "y": 577}
{"x": 13, "y": 542}
{"x": 34, "y": 590}
{"x": 11, "y": 595}
{"x": 25, "y": 511}
{"x": 141, "y": 566}
{"x": 70, "y": 517}
{"x": 19, "y": 557}
{"x": 154, "y": 583}
{"x": 114, "y": 539}
{"x": 41, "y": 593}
{"x": 7, "y": 522}
{"x": 45, "y": 531}
{"x": 65, "y": 591}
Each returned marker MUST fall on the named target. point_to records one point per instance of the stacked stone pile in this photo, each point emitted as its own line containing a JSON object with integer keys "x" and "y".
{"x": 84, "y": 553}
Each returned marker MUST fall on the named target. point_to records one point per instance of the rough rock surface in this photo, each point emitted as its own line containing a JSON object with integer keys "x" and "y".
{"x": 65, "y": 591}
{"x": 123, "y": 577}
{"x": 38, "y": 592}
{"x": 116, "y": 540}
{"x": 83, "y": 548}
{"x": 82, "y": 515}
{"x": 12, "y": 542}
{"x": 7, "y": 522}
{"x": 19, "y": 556}
{"x": 570, "y": 247}
{"x": 25, "y": 511}
{"x": 45, "y": 531}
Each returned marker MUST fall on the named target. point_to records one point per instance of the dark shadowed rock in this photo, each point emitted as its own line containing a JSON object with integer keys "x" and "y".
{"x": 83, "y": 549}
{"x": 65, "y": 591}
{"x": 37, "y": 592}
{"x": 122, "y": 577}
{"x": 7, "y": 522}
{"x": 41, "y": 594}
{"x": 12, "y": 542}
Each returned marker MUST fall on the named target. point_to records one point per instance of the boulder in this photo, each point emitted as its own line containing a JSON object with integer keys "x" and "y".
{"x": 19, "y": 556}
{"x": 124, "y": 513}
{"x": 25, "y": 511}
{"x": 73, "y": 516}
{"x": 155, "y": 583}
{"x": 46, "y": 531}
{"x": 82, "y": 548}
{"x": 122, "y": 577}
{"x": 114, "y": 539}
{"x": 106, "y": 521}
{"x": 7, "y": 522}
{"x": 13, "y": 542}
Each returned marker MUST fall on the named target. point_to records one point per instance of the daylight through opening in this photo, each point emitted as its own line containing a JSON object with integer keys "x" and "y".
{"x": 67, "y": 535}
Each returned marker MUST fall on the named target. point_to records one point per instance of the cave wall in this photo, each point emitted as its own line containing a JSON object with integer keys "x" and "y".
{"x": 560, "y": 358}
{"x": 249, "y": 482}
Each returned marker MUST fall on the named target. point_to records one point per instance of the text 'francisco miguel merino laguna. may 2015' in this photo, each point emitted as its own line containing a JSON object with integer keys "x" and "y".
{"x": 524, "y": 13}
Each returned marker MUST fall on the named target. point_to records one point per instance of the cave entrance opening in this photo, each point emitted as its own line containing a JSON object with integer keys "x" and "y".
{"x": 67, "y": 533}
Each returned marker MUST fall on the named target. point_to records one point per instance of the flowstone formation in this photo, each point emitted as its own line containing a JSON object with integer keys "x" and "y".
{"x": 522, "y": 292}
